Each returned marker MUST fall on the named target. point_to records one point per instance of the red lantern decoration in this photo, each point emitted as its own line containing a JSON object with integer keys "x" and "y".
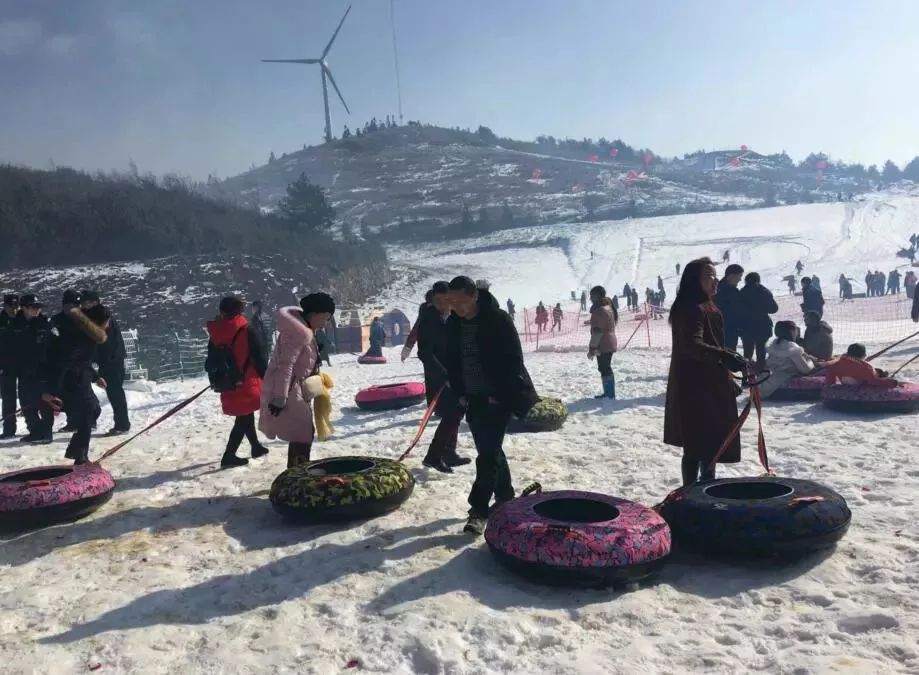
{"x": 613, "y": 152}
{"x": 744, "y": 148}
{"x": 594, "y": 158}
{"x": 821, "y": 164}
{"x": 735, "y": 161}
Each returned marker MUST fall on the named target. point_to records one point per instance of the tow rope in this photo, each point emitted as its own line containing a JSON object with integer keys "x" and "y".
{"x": 424, "y": 423}
{"x": 162, "y": 418}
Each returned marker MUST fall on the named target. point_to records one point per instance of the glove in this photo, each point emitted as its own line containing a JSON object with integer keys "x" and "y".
{"x": 591, "y": 354}
{"x": 276, "y": 407}
{"x": 733, "y": 361}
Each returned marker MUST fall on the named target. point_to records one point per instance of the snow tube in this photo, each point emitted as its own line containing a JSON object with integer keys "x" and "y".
{"x": 801, "y": 388}
{"x": 754, "y": 517}
{"x": 575, "y": 538}
{"x": 858, "y": 398}
{"x": 52, "y": 494}
{"x": 549, "y": 414}
{"x": 390, "y": 396}
{"x": 371, "y": 360}
{"x": 341, "y": 488}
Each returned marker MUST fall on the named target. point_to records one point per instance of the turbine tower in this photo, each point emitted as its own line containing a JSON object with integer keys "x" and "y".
{"x": 326, "y": 73}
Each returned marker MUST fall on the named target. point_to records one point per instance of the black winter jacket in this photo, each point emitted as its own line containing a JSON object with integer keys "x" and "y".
{"x": 111, "y": 354}
{"x": 812, "y": 300}
{"x": 757, "y": 304}
{"x": 29, "y": 345}
{"x": 728, "y": 300}
{"x": 7, "y": 332}
{"x": 68, "y": 370}
{"x": 501, "y": 356}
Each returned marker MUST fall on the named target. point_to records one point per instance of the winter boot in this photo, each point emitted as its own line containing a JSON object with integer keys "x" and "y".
{"x": 605, "y": 392}
{"x": 259, "y": 451}
{"x": 436, "y": 463}
{"x": 231, "y": 460}
{"x": 475, "y": 524}
{"x": 609, "y": 386}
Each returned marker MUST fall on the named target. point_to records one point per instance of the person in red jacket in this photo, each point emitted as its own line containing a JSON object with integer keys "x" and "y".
{"x": 853, "y": 369}
{"x": 230, "y": 328}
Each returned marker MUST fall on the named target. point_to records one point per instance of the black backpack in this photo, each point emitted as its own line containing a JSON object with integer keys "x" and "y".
{"x": 222, "y": 371}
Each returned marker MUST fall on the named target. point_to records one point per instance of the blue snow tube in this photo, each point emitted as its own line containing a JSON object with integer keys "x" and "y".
{"x": 757, "y": 517}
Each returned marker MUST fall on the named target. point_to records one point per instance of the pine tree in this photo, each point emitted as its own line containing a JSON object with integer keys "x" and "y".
{"x": 466, "y": 223}
{"x": 891, "y": 172}
{"x": 507, "y": 216}
{"x": 483, "y": 222}
{"x": 873, "y": 173}
{"x": 305, "y": 206}
{"x": 911, "y": 170}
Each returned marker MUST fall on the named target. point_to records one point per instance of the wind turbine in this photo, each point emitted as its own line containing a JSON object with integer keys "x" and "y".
{"x": 326, "y": 73}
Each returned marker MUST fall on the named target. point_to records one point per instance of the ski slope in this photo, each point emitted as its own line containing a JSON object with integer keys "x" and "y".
{"x": 546, "y": 263}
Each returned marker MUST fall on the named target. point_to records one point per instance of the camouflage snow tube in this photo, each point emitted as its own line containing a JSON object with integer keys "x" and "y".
{"x": 341, "y": 488}
{"x": 549, "y": 414}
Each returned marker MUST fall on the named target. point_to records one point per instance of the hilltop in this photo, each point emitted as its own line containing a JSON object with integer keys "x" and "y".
{"x": 419, "y": 181}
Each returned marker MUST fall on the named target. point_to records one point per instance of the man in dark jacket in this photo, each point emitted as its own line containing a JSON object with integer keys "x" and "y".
{"x": 7, "y": 375}
{"x": 812, "y": 297}
{"x": 68, "y": 373}
{"x": 756, "y": 324}
{"x": 486, "y": 373}
{"x": 110, "y": 358}
{"x": 32, "y": 331}
{"x": 258, "y": 325}
{"x": 70, "y": 301}
{"x": 728, "y": 300}
{"x": 432, "y": 351}
{"x": 893, "y": 282}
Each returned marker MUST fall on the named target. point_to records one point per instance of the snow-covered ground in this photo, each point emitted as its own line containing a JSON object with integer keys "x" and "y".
{"x": 546, "y": 263}
{"x": 188, "y": 569}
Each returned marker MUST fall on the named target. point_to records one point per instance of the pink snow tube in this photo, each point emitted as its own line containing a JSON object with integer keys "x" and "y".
{"x": 578, "y": 538}
{"x": 859, "y": 398}
{"x": 390, "y": 396}
{"x": 371, "y": 360}
{"x": 52, "y": 494}
{"x": 801, "y": 388}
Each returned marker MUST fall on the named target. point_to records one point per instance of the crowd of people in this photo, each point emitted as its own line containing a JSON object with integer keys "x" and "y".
{"x": 49, "y": 365}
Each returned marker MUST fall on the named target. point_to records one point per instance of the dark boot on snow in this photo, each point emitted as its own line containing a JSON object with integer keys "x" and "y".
{"x": 456, "y": 460}
{"x": 475, "y": 524}
{"x": 229, "y": 461}
{"x": 259, "y": 451}
{"x": 437, "y": 464}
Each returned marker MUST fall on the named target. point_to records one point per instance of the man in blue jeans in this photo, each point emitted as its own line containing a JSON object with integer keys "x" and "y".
{"x": 486, "y": 372}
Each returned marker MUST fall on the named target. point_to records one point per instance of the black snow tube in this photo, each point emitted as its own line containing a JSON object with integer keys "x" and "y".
{"x": 757, "y": 517}
{"x": 48, "y": 495}
{"x": 341, "y": 488}
{"x": 549, "y": 414}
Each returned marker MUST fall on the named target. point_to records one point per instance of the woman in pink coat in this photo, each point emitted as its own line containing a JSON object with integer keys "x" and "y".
{"x": 292, "y": 380}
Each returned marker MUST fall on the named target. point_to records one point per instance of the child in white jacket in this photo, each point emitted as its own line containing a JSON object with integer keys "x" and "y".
{"x": 785, "y": 358}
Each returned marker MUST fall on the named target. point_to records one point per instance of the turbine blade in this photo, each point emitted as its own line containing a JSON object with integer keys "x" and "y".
{"x": 290, "y": 60}
{"x": 341, "y": 98}
{"x": 335, "y": 34}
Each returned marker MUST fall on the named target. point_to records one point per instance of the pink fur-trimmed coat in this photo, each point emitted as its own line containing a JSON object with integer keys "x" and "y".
{"x": 295, "y": 357}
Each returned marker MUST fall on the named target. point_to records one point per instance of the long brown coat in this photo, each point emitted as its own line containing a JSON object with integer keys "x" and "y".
{"x": 701, "y": 406}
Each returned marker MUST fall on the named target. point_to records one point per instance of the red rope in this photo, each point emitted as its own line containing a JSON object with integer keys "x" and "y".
{"x": 633, "y": 334}
{"x": 756, "y": 402}
{"x": 424, "y": 422}
{"x": 162, "y": 418}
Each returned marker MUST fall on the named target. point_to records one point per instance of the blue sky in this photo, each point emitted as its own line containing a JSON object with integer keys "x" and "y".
{"x": 178, "y": 86}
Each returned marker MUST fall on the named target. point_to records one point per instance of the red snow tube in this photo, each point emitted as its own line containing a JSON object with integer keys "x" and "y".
{"x": 801, "y": 388}
{"x": 390, "y": 396}
{"x": 52, "y": 494}
{"x": 578, "y": 538}
{"x": 371, "y": 360}
{"x": 859, "y": 398}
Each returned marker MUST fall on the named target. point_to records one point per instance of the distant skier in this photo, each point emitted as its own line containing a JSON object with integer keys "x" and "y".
{"x": 511, "y": 309}
{"x": 893, "y": 282}
{"x": 792, "y": 284}
{"x": 726, "y": 257}
{"x": 542, "y": 317}
{"x": 881, "y": 282}
{"x": 627, "y": 294}
{"x": 677, "y": 269}
{"x": 557, "y": 316}
{"x": 869, "y": 283}
{"x": 583, "y": 301}
{"x": 660, "y": 283}
{"x": 842, "y": 285}
{"x": 799, "y": 267}
{"x": 635, "y": 299}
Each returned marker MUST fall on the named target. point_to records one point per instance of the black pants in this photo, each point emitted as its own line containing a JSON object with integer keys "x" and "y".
{"x": 443, "y": 445}
{"x": 37, "y": 413}
{"x": 605, "y": 364}
{"x": 298, "y": 453}
{"x": 78, "y": 447}
{"x": 759, "y": 346}
{"x": 244, "y": 426}
{"x": 114, "y": 379}
{"x": 8, "y": 394}
{"x": 730, "y": 338}
{"x": 488, "y": 422}
{"x": 693, "y": 471}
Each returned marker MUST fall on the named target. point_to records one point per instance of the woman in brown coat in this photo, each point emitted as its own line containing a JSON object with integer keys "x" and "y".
{"x": 701, "y": 403}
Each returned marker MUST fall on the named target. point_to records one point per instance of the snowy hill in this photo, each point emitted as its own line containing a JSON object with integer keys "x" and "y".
{"x": 428, "y": 174}
{"x": 546, "y": 263}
